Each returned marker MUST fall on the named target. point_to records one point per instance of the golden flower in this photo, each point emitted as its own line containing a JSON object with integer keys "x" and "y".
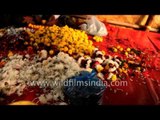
{"x": 63, "y": 37}
{"x": 114, "y": 77}
{"x": 51, "y": 52}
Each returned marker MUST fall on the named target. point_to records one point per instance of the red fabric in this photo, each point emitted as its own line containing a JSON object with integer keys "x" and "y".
{"x": 135, "y": 93}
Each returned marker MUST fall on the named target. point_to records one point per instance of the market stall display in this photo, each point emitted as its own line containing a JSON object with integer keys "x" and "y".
{"x": 34, "y": 57}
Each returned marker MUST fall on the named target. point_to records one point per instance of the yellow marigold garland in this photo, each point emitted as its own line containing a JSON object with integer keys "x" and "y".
{"x": 69, "y": 40}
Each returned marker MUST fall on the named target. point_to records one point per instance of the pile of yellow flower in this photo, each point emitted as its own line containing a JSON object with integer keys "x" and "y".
{"x": 68, "y": 40}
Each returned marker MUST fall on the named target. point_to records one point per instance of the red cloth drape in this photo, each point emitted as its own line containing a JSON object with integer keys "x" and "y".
{"x": 134, "y": 93}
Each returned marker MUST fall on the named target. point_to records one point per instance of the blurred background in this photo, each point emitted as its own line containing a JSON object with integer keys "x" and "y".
{"x": 143, "y": 22}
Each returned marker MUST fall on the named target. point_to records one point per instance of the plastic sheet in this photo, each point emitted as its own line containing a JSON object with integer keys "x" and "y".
{"x": 86, "y": 89}
{"x": 94, "y": 27}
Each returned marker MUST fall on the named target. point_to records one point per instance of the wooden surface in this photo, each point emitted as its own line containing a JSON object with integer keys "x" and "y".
{"x": 131, "y": 19}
